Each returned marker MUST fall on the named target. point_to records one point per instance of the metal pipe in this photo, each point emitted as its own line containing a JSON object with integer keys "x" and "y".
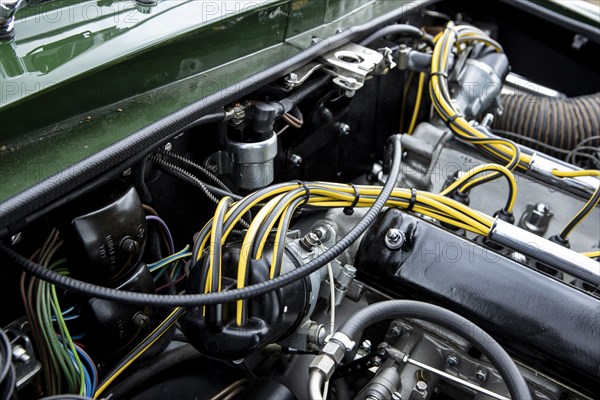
{"x": 315, "y": 383}
{"x": 8, "y": 9}
{"x": 549, "y": 253}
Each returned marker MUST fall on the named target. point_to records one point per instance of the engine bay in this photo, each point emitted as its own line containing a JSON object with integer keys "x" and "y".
{"x": 410, "y": 213}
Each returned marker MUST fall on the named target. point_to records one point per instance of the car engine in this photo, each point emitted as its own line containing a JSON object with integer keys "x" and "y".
{"x": 407, "y": 210}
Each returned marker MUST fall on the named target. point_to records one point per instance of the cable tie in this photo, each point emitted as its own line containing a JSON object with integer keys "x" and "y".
{"x": 306, "y": 195}
{"x": 350, "y": 210}
{"x": 439, "y": 73}
{"x": 453, "y": 118}
{"x": 413, "y": 199}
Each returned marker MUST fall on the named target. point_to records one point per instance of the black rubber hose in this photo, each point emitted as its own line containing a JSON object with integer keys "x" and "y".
{"x": 139, "y": 144}
{"x": 399, "y": 29}
{"x": 393, "y": 309}
{"x": 307, "y": 88}
{"x": 190, "y": 300}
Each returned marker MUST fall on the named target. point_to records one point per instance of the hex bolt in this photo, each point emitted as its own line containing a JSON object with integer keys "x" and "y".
{"x": 366, "y": 345}
{"x": 293, "y": 77}
{"x": 309, "y": 241}
{"x": 127, "y": 172}
{"x": 394, "y": 239}
{"x": 481, "y": 375}
{"x": 396, "y": 331}
{"x": 396, "y": 396}
{"x": 295, "y": 160}
{"x": 452, "y": 360}
{"x": 421, "y": 386}
{"x": 168, "y": 146}
{"x": 20, "y": 354}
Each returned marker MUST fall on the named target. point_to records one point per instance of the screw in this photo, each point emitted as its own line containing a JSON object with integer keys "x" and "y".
{"x": 481, "y": 375}
{"x": 141, "y": 320}
{"x": 16, "y": 238}
{"x": 315, "y": 40}
{"x": 396, "y": 331}
{"x": 452, "y": 360}
{"x": 295, "y": 160}
{"x": 128, "y": 245}
{"x": 127, "y": 172}
{"x": 396, "y": 396}
{"x": 421, "y": 386}
{"x": 168, "y": 146}
{"x": 344, "y": 129}
{"x": 394, "y": 239}
{"x": 20, "y": 354}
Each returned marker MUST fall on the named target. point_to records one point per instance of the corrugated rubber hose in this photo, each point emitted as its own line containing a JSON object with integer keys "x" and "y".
{"x": 562, "y": 123}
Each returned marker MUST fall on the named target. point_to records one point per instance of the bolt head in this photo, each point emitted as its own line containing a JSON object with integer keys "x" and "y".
{"x": 421, "y": 386}
{"x": 20, "y": 354}
{"x": 16, "y": 238}
{"x": 396, "y": 396}
{"x": 481, "y": 375}
{"x": 295, "y": 160}
{"x": 168, "y": 146}
{"x": 293, "y": 77}
{"x": 452, "y": 360}
{"x": 344, "y": 129}
{"x": 394, "y": 239}
{"x": 396, "y": 331}
{"x": 366, "y": 344}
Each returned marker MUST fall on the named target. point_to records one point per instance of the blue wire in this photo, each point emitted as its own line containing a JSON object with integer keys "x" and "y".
{"x": 86, "y": 375}
{"x": 185, "y": 249}
{"x": 90, "y": 364}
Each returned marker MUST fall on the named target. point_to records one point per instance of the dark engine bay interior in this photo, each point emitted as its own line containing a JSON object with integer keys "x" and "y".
{"x": 411, "y": 215}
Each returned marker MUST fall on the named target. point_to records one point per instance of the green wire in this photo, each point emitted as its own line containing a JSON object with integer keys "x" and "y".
{"x": 52, "y": 340}
{"x": 57, "y": 384}
{"x": 67, "y": 339}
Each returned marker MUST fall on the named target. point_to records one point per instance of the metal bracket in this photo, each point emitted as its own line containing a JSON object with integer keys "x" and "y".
{"x": 351, "y": 65}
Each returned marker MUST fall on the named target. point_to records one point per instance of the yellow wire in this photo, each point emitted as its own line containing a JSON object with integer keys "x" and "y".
{"x": 439, "y": 89}
{"x": 574, "y": 174}
{"x": 476, "y": 171}
{"x": 225, "y": 201}
{"x": 592, "y": 254}
{"x": 418, "y": 100}
{"x": 330, "y": 195}
{"x": 110, "y": 380}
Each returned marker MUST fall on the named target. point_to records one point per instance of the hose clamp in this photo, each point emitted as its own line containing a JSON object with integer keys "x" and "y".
{"x": 344, "y": 340}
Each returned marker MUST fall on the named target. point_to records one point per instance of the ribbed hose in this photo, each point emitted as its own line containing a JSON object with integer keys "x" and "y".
{"x": 191, "y": 300}
{"x": 393, "y": 309}
{"x": 561, "y": 123}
